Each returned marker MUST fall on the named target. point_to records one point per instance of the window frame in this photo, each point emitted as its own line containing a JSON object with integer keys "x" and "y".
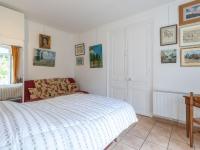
{"x": 10, "y": 60}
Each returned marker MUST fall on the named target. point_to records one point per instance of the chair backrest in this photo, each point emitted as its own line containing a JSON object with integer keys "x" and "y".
{"x": 195, "y": 99}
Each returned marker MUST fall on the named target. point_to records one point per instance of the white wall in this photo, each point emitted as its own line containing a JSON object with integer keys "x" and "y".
{"x": 169, "y": 77}
{"x": 92, "y": 79}
{"x": 11, "y": 27}
{"x": 62, "y": 44}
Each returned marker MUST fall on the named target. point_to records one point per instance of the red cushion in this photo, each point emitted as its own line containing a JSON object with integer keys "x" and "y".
{"x": 71, "y": 80}
{"x": 28, "y": 84}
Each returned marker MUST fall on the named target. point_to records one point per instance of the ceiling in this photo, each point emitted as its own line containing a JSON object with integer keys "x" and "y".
{"x": 79, "y": 15}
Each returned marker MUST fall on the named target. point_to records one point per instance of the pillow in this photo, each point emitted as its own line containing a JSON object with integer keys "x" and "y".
{"x": 62, "y": 86}
{"x": 34, "y": 95}
{"x": 73, "y": 87}
{"x": 42, "y": 88}
{"x": 40, "y": 83}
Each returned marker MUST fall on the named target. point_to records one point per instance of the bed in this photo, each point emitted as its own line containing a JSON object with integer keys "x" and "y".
{"x": 72, "y": 122}
{"x": 11, "y": 92}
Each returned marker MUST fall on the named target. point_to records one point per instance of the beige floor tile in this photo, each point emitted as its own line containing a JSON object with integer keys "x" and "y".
{"x": 158, "y": 139}
{"x": 139, "y": 117}
{"x": 151, "y": 146}
{"x": 123, "y": 133}
{"x": 132, "y": 141}
{"x": 177, "y": 145}
{"x": 139, "y": 132}
{"x": 145, "y": 124}
{"x": 179, "y": 134}
{"x": 112, "y": 146}
{"x": 165, "y": 126}
{"x": 148, "y": 120}
{"x": 161, "y": 131}
{"x": 122, "y": 146}
{"x": 197, "y": 140}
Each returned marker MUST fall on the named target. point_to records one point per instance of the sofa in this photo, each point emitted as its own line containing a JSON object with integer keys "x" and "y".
{"x": 47, "y": 88}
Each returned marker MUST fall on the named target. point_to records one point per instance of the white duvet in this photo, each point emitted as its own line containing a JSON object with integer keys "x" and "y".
{"x": 73, "y": 122}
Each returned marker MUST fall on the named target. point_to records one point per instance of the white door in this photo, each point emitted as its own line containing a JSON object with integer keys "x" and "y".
{"x": 139, "y": 47}
{"x": 117, "y": 67}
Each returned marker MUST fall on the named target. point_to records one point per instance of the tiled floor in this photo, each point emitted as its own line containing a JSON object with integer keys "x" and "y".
{"x": 151, "y": 134}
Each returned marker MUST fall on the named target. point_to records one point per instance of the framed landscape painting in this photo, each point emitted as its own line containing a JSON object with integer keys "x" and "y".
{"x": 80, "y": 49}
{"x": 189, "y": 13}
{"x": 190, "y": 35}
{"x": 190, "y": 57}
{"x": 96, "y": 57}
{"x": 168, "y": 35}
{"x": 44, "y": 58}
{"x": 168, "y": 56}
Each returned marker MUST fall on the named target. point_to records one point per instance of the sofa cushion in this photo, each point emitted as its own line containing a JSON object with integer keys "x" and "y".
{"x": 34, "y": 95}
{"x": 62, "y": 86}
{"x": 73, "y": 87}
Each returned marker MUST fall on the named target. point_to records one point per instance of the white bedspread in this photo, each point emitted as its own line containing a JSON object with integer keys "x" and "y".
{"x": 73, "y": 122}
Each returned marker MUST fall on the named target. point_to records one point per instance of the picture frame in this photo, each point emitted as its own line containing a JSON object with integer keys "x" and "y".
{"x": 168, "y": 56}
{"x": 190, "y": 35}
{"x": 190, "y": 57}
{"x": 44, "y": 41}
{"x": 189, "y": 13}
{"x": 79, "y": 61}
{"x": 168, "y": 35}
{"x": 80, "y": 49}
{"x": 44, "y": 58}
{"x": 96, "y": 56}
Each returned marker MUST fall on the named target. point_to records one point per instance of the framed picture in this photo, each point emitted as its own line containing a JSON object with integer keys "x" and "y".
{"x": 190, "y": 57}
{"x": 80, "y": 49}
{"x": 44, "y": 58}
{"x": 189, "y": 13}
{"x": 168, "y": 35}
{"x": 96, "y": 57}
{"x": 79, "y": 61}
{"x": 44, "y": 41}
{"x": 168, "y": 56}
{"x": 190, "y": 35}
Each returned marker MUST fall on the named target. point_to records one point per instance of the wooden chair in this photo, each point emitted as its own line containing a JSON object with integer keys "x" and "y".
{"x": 191, "y": 102}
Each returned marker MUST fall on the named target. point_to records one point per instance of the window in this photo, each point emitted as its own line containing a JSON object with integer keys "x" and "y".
{"x": 5, "y": 65}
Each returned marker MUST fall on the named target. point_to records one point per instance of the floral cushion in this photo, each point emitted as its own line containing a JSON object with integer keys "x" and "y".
{"x": 33, "y": 93}
{"x": 51, "y": 87}
{"x": 42, "y": 88}
{"x": 73, "y": 87}
{"x": 62, "y": 86}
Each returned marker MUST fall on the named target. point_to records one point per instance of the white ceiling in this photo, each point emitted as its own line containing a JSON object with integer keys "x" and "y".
{"x": 79, "y": 15}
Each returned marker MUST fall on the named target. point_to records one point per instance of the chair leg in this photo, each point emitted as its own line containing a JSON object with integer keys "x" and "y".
{"x": 187, "y": 120}
{"x": 191, "y": 126}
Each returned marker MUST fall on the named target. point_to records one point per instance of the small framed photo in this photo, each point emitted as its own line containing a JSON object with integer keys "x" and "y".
{"x": 168, "y": 35}
{"x": 168, "y": 56}
{"x": 79, "y": 61}
{"x": 190, "y": 57}
{"x": 190, "y": 35}
{"x": 189, "y": 13}
{"x": 44, "y": 41}
{"x": 80, "y": 49}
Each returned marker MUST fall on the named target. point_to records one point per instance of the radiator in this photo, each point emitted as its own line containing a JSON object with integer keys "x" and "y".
{"x": 170, "y": 105}
{"x": 12, "y": 91}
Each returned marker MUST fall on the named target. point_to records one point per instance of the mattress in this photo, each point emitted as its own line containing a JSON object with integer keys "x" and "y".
{"x": 72, "y": 122}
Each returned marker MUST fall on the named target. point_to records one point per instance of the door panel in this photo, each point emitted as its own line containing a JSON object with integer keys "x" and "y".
{"x": 117, "y": 68}
{"x": 139, "y": 48}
